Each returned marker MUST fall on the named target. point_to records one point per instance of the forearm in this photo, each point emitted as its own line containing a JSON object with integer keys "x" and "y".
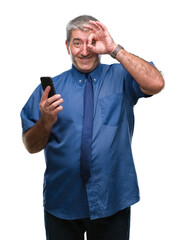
{"x": 147, "y": 76}
{"x": 36, "y": 138}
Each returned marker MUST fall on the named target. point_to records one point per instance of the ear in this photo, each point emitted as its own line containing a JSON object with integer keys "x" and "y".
{"x": 67, "y": 46}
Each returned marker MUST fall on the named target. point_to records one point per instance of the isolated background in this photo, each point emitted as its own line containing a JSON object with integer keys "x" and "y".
{"x": 32, "y": 45}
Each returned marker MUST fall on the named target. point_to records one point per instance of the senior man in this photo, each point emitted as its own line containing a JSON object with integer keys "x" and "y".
{"x": 86, "y": 130}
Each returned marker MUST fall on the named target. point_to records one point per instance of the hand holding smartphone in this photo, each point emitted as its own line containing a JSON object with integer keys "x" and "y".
{"x": 47, "y": 81}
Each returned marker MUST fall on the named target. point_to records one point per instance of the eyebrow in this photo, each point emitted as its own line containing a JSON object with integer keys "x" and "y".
{"x": 76, "y": 39}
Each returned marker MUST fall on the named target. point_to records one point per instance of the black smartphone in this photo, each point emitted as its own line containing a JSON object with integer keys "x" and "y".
{"x": 47, "y": 81}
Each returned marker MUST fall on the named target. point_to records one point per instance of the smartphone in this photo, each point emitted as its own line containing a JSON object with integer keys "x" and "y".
{"x": 47, "y": 81}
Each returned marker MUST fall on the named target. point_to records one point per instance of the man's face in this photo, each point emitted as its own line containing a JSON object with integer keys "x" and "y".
{"x": 82, "y": 57}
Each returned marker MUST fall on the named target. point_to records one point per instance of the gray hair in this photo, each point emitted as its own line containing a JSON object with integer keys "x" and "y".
{"x": 77, "y": 23}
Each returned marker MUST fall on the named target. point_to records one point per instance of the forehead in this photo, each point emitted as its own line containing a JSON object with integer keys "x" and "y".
{"x": 80, "y": 34}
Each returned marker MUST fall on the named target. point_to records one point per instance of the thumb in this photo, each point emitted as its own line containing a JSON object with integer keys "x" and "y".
{"x": 45, "y": 94}
{"x": 91, "y": 47}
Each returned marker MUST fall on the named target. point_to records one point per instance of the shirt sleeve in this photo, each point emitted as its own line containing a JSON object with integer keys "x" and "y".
{"x": 30, "y": 113}
{"x": 132, "y": 88}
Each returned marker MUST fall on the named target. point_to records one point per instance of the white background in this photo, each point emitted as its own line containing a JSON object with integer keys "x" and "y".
{"x": 32, "y": 45}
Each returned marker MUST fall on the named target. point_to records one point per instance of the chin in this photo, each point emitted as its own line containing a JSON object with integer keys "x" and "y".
{"x": 87, "y": 68}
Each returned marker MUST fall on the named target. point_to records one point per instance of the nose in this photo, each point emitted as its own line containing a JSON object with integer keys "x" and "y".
{"x": 84, "y": 50}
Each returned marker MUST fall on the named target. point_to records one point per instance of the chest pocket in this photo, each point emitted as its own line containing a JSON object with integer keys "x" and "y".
{"x": 112, "y": 109}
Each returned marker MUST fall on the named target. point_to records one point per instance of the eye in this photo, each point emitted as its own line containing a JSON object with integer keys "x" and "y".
{"x": 77, "y": 43}
{"x": 93, "y": 42}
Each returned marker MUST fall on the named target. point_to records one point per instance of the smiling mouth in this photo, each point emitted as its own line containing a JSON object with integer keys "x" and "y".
{"x": 85, "y": 58}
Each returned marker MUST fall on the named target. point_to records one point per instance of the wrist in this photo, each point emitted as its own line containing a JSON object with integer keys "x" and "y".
{"x": 45, "y": 124}
{"x": 116, "y": 50}
{"x": 113, "y": 47}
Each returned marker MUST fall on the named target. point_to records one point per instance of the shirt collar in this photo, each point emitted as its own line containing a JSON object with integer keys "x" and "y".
{"x": 80, "y": 77}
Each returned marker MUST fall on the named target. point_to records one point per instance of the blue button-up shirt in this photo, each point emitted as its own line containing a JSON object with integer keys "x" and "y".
{"x": 113, "y": 183}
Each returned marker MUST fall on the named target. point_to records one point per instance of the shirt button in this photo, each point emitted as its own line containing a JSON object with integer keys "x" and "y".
{"x": 94, "y": 79}
{"x": 80, "y": 81}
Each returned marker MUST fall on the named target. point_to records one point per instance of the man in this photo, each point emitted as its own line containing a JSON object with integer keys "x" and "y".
{"x": 86, "y": 130}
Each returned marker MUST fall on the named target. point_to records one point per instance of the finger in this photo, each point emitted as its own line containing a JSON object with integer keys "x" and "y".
{"x": 96, "y": 25}
{"x": 92, "y": 39}
{"x": 92, "y": 42}
{"x": 57, "y": 110}
{"x": 53, "y": 99}
{"x": 92, "y": 26}
{"x": 101, "y": 25}
{"x": 45, "y": 94}
{"x": 88, "y": 26}
{"x": 92, "y": 48}
{"x": 55, "y": 104}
